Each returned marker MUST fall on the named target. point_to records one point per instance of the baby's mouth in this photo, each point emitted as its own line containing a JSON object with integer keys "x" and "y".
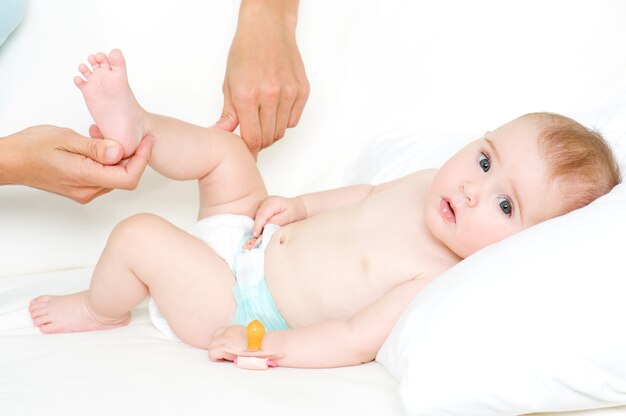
{"x": 447, "y": 211}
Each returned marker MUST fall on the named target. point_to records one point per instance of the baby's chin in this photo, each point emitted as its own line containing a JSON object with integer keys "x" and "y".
{"x": 462, "y": 253}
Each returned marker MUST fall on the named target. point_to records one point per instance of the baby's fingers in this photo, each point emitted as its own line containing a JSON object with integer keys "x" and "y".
{"x": 259, "y": 223}
{"x": 218, "y": 354}
{"x": 281, "y": 218}
{"x": 261, "y": 218}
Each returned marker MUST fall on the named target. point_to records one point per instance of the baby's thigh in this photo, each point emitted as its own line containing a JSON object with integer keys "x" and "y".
{"x": 192, "y": 286}
{"x": 235, "y": 185}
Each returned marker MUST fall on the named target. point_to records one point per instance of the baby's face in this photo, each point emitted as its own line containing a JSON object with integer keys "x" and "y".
{"x": 492, "y": 188}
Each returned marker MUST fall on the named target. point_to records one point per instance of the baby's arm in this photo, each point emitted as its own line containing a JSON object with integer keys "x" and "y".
{"x": 336, "y": 343}
{"x": 281, "y": 211}
{"x": 317, "y": 202}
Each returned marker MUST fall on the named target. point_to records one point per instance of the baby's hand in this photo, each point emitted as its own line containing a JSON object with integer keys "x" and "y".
{"x": 228, "y": 338}
{"x": 278, "y": 210}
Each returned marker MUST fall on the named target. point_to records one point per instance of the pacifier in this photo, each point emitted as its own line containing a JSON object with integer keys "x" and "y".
{"x": 253, "y": 357}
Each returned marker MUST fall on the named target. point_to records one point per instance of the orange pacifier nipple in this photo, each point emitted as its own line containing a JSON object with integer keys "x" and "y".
{"x": 255, "y": 332}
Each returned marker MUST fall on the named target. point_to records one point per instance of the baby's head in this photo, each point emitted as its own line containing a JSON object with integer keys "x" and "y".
{"x": 531, "y": 169}
{"x": 577, "y": 157}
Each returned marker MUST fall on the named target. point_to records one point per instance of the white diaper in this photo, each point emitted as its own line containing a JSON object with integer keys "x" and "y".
{"x": 224, "y": 234}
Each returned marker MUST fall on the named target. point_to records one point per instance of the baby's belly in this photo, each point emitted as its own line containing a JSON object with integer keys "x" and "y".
{"x": 317, "y": 274}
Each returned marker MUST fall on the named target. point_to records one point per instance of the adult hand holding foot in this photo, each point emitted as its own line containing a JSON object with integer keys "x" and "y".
{"x": 265, "y": 86}
{"x": 61, "y": 161}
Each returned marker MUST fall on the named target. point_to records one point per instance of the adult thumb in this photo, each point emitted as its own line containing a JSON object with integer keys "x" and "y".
{"x": 228, "y": 120}
{"x": 104, "y": 151}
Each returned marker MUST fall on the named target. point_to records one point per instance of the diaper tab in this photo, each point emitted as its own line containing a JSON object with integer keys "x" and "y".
{"x": 250, "y": 261}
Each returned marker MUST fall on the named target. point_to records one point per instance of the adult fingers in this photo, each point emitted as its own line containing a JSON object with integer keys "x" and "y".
{"x": 228, "y": 120}
{"x": 267, "y": 116}
{"x": 250, "y": 125}
{"x": 85, "y": 195}
{"x": 283, "y": 113}
{"x": 106, "y": 152}
{"x": 246, "y": 108}
{"x": 298, "y": 105}
{"x": 136, "y": 165}
{"x": 125, "y": 175}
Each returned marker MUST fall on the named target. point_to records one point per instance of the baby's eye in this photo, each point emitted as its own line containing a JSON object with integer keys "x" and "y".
{"x": 484, "y": 162}
{"x": 505, "y": 206}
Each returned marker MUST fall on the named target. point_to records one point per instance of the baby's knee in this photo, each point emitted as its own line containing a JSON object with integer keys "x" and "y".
{"x": 138, "y": 228}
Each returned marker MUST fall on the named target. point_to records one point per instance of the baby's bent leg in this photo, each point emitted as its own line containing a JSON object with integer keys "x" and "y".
{"x": 146, "y": 254}
{"x": 229, "y": 180}
{"x": 113, "y": 292}
{"x": 187, "y": 279}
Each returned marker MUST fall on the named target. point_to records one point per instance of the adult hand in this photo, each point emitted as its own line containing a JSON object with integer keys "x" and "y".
{"x": 265, "y": 87}
{"x": 62, "y": 161}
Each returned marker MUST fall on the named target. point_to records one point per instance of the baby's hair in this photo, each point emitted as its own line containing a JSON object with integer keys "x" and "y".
{"x": 578, "y": 158}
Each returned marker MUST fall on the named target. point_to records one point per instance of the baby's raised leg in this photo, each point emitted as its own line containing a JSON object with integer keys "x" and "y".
{"x": 229, "y": 179}
{"x": 110, "y": 100}
{"x": 146, "y": 254}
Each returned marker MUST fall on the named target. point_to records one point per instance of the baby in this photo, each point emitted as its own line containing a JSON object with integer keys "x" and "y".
{"x": 328, "y": 273}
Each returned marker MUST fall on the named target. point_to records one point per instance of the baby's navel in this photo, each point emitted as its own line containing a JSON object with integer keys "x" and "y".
{"x": 282, "y": 239}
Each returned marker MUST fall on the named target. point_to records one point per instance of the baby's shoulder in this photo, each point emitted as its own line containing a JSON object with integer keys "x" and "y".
{"x": 415, "y": 182}
{"x": 422, "y": 176}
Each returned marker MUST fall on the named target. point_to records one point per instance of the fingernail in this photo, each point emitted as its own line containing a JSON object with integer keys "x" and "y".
{"x": 111, "y": 153}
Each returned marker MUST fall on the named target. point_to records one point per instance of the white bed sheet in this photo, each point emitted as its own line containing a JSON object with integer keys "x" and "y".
{"x": 136, "y": 370}
{"x": 372, "y": 65}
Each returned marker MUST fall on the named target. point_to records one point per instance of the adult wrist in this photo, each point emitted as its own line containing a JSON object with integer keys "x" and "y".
{"x": 284, "y": 12}
{"x": 9, "y": 161}
{"x": 4, "y": 162}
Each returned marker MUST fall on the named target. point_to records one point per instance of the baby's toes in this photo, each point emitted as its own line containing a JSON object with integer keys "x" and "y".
{"x": 84, "y": 70}
{"x": 102, "y": 60}
{"x": 116, "y": 59}
{"x": 79, "y": 82}
{"x": 93, "y": 62}
{"x": 37, "y": 310}
{"x": 39, "y": 302}
{"x": 41, "y": 320}
{"x": 48, "y": 328}
{"x": 41, "y": 299}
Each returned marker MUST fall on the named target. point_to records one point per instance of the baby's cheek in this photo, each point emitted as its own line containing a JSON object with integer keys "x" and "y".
{"x": 480, "y": 238}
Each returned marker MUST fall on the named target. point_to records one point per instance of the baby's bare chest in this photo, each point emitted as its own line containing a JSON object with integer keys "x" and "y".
{"x": 339, "y": 262}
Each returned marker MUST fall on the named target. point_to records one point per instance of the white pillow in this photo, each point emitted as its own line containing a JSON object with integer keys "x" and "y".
{"x": 532, "y": 324}
{"x": 535, "y": 323}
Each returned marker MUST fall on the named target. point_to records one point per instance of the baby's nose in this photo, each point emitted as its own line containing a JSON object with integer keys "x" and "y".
{"x": 471, "y": 191}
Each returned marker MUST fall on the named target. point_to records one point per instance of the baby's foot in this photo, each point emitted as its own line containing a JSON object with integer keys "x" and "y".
{"x": 110, "y": 100}
{"x": 56, "y": 314}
